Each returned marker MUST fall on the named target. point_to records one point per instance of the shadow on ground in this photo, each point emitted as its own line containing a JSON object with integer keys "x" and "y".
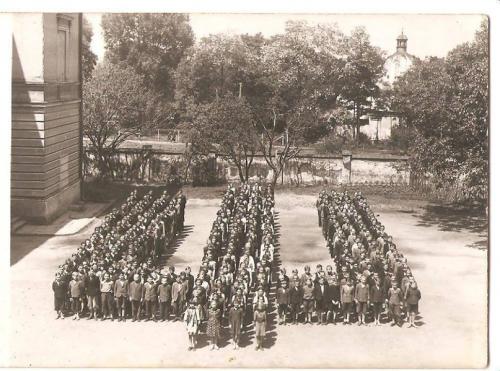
{"x": 453, "y": 218}
{"x": 174, "y": 245}
{"x": 20, "y": 245}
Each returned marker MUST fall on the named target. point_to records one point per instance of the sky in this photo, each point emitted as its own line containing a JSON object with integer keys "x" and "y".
{"x": 428, "y": 35}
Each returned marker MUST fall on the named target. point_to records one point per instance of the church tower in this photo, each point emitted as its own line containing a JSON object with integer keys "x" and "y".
{"x": 402, "y": 41}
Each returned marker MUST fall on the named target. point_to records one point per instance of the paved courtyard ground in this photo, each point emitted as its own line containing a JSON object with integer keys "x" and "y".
{"x": 451, "y": 272}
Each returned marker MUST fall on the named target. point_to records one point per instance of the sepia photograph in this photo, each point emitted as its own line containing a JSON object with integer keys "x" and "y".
{"x": 257, "y": 190}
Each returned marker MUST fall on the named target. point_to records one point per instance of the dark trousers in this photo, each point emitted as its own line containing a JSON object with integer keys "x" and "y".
{"x": 107, "y": 303}
{"x": 164, "y": 309}
{"x": 150, "y": 308}
{"x": 136, "y": 309}
{"x": 178, "y": 306}
{"x": 294, "y": 310}
{"x": 377, "y": 309}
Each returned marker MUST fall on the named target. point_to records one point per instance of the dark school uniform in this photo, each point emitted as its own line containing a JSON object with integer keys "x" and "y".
{"x": 334, "y": 297}
{"x": 377, "y": 298}
{"x": 164, "y": 297}
{"x": 136, "y": 293}
{"x": 59, "y": 289}
{"x": 322, "y": 297}
{"x": 413, "y": 296}
{"x": 296, "y": 296}
{"x": 283, "y": 299}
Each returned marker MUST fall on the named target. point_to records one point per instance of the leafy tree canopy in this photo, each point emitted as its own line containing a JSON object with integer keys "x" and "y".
{"x": 152, "y": 43}
{"x": 89, "y": 59}
{"x": 445, "y": 102}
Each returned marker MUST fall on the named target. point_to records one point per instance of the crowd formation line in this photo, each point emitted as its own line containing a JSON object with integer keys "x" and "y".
{"x": 116, "y": 274}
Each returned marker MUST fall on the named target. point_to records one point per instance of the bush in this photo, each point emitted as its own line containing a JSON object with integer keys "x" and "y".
{"x": 400, "y": 137}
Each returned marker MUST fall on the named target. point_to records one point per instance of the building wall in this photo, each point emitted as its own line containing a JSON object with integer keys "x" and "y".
{"x": 396, "y": 65}
{"x": 380, "y": 129}
{"x": 45, "y": 172}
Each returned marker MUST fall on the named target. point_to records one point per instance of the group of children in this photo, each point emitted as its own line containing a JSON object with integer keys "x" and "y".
{"x": 115, "y": 273}
{"x": 235, "y": 272}
{"x": 369, "y": 274}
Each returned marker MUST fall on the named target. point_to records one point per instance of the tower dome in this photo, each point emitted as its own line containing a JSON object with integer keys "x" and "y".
{"x": 401, "y": 42}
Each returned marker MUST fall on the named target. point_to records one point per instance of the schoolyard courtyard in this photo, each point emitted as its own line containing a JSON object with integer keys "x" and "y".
{"x": 446, "y": 252}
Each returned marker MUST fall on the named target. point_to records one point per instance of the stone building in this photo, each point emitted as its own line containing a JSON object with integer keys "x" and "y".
{"x": 380, "y": 123}
{"x": 46, "y": 114}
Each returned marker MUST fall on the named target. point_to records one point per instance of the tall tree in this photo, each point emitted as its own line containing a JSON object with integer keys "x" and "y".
{"x": 116, "y": 105}
{"x": 445, "y": 102}
{"x": 301, "y": 71}
{"x": 152, "y": 43}
{"x": 363, "y": 68}
{"x": 216, "y": 66}
{"x": 226, "y": 126}
{"x": 89, "y": 59}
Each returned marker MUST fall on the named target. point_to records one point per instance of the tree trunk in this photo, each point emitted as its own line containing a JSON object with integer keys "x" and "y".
{"x": 186, "y": 170}
{"x": 357, "y": 125}
{"x": 276, "y": 175}
{"x": 248, "y": 164}
{"x": 240, "y": 173}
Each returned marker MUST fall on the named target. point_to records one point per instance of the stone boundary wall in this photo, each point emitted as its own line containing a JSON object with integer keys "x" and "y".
{"x": 307, "y": 169}
{"x": 345, "y": 169}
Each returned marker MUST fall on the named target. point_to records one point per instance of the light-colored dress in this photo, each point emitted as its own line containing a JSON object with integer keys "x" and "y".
{"x": 192, "y": 319}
